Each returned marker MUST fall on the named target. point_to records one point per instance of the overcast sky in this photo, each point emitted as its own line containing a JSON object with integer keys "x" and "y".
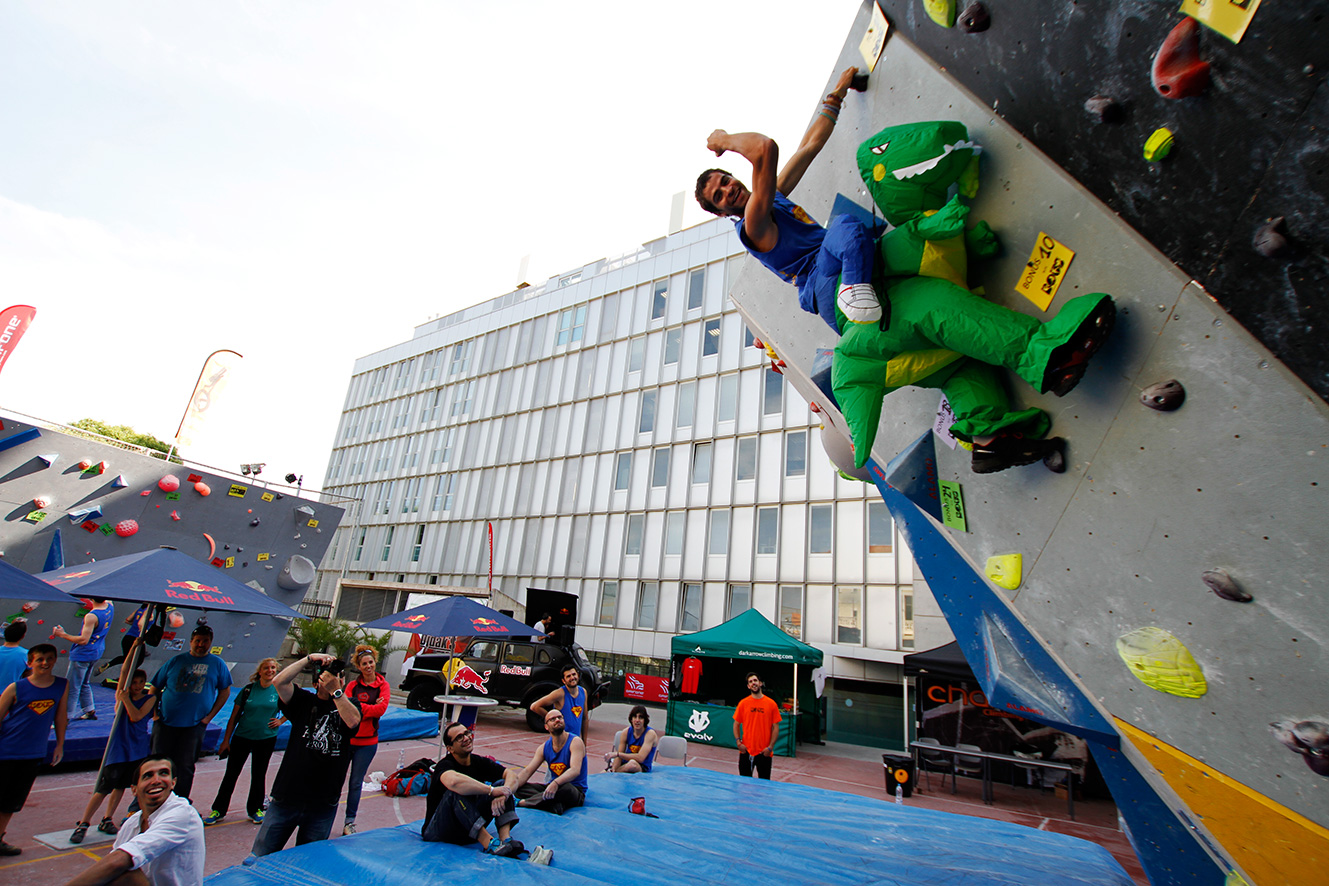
{"x": 304, "y": 182}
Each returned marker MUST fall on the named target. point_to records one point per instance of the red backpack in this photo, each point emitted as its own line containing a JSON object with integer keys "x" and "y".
{"x": 410, "y": 780}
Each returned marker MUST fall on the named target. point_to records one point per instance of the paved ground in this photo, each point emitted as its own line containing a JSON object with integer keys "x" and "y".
{"x": 58, "y": 798}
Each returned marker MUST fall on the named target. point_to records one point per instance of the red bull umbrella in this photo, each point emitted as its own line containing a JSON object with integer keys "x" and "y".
{"x": 164, "y": 576}
{"x": 453, "y": 617}
{"x": 15, "y": 584}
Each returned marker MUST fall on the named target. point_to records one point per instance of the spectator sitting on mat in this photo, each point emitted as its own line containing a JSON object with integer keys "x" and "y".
{"x": 126, "y": 748}
{"x": 160, "y": 846}
{"x": 193, "y": 685}
{"x": 635, "y": 751}
{"x": 566, "y": 756}
{"x": 466, "y": 793}
{"x": 13, "y": 657}
{"x": 28, "y": 707}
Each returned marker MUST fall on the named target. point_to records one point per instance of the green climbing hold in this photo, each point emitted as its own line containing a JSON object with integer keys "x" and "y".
{"x": 1161, "y": 661}
{"x": 941, "y": 11}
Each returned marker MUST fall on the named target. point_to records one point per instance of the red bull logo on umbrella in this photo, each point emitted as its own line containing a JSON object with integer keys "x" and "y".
{"x": 487, "y": 625}
{"x": 193, "y": 590}
{"x": 410, "y": 622}
{"x": 67, "y": 577}
{"x": 467, "y": 678}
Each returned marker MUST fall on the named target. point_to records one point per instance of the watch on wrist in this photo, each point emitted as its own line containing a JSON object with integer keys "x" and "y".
{"x": 338, "y": 694}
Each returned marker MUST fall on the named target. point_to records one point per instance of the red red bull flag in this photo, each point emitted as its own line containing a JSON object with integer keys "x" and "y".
{"x": 16, "y": 319}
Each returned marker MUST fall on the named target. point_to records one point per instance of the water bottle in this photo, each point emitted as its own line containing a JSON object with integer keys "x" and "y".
{"x": 899, "y": 794}
{"x": 401, "y": 758}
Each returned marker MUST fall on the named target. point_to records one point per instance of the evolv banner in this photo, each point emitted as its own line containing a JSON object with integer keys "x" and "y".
{"x": 16, "y": 320}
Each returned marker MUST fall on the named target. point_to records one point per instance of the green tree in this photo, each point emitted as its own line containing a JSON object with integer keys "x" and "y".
{"x": 125, "y": 434}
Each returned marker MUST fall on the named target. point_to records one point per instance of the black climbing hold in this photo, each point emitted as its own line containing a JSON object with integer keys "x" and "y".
{"x": 253, "y": 522}
{"x": 239, "y": 550}
{"x": 1164, "y": 396}
{"x": 1225, "y": 586}
{"x": 1271, "y": 239}
{"x": 859, "y": 83}
{"x": 975, "y": 18}
{"x": 1104, "y": 109}
{"x": 1309, "y": 738}
{"x": 1055, "y": 460}
{"x": 226, "y": 547}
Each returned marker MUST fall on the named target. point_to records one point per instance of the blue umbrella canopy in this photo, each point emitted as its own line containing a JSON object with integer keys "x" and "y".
{"x": 452, "y": 617}
{"x": 15, "y": 584}
{"x": 165, "y": 576}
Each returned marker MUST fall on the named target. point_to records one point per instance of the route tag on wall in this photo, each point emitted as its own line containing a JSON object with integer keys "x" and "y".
{"x": 952, "y": 505}
{"x": 1043, "y": 273}
{"x": 945, "y": 418}
{"x": 875, "y": 38}
{"x": 1228, "y": 17}
{"x": 237, "y": 491}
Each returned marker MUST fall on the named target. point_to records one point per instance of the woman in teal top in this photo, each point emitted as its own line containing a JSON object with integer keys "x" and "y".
{"x": 251, "y": 731}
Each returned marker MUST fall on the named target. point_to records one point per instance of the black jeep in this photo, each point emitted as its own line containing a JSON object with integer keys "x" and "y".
{"x": 514, "y": 672}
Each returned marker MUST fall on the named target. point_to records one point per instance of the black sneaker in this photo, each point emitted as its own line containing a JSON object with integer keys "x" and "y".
{"x": 108, "y": 826}
{"x": 1014, "y": 450}
{"x": 1067, "y": 363}
{"x": 9, "y": 849}
{"x": 80, "y": 830}
{"x": 510, "y": 849}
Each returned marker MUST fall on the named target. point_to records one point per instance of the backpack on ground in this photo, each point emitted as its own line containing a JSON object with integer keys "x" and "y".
{"x": 410, "y": 780}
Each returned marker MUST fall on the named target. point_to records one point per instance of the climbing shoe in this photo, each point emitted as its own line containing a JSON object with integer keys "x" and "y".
{"x": 9, "y": 849}
{"x": 510, "y": 849}
{"x": 348, "y": 829}
{"x": 80, "y": 830}
{"x": 1012, "y": 451}
{"x": 1067, "y": 364}
{"x": 108, "y": 826}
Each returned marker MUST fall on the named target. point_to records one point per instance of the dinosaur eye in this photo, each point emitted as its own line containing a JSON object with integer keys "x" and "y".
{"x": 880, "y": 149}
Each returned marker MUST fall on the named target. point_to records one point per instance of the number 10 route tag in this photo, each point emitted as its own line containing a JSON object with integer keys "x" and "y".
{"x": 1045, "y": 270}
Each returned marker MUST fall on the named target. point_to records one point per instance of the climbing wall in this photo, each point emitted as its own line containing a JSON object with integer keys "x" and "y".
{"x": 89, "y": 493}
{"x": 1107, "y": 627}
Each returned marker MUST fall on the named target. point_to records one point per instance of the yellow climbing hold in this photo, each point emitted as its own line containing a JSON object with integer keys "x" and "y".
{"x": 1161, "y": 661}
{"x": 1006, "y": 570}
{"x": 941, "y": 11}
{"x": 878, "y": 172}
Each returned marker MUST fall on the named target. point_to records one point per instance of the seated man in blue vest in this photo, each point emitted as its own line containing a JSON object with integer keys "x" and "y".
{"x": 565, "y": 755}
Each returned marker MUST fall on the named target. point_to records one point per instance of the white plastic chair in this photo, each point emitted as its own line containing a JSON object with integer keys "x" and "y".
{"x": 672, "y": 747}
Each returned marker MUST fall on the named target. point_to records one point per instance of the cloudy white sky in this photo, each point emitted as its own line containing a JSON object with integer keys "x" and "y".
{"x": 304, "y": 182}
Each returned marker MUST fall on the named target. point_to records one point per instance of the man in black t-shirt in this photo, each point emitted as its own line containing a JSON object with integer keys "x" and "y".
{"x": 466, "y": 793}
{"x": 308, "y": 785}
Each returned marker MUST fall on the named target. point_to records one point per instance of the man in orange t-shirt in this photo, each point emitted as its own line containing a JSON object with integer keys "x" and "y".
{"x": 756, "y": 727}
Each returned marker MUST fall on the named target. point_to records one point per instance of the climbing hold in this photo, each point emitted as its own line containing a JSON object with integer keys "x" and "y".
{"x": 175, "y": 620}
{"x": 1178, "y": 70}
{"x": 202, "y": 488}
{"x": 145, "y": 493}
{"x": 175, "y": 515}
{"x": 239, "y": 550}
{"x": 41, "y": 502}
{"x": 212, "y": 546}
{"x": 841, "y": 453}
{"x": 1005, "y": 570}
{"x": 126, "y": 528}
{"x": 254, "y": 522}
{"x": 1104, "y": 109}
{"x": 975, "y": 18}
{"x": 1161, "y": 661}
{"x": 49, "y": 458}
{"x": 1158, "y": 145}
{"x": 1225, "y": 586}
{"x": 84, "y": 515}
{"x": 303, "y": 513}
{"x": 814, "y": 406}
{"x": 297, "y": 573}
{"x": 1309, "y": 738}
{"x": 758, "y": 344}
{"x": 1271, "y": 239}
{"x": 1165, "y": 396}
{"x": 84, "y": 464}
{"x": 941, "y": 11}
{"x": 169, "y": 483}
{"x": 99, "y": 468}
{"x": 226, "y": 547}
{"x": 119, "y": 482}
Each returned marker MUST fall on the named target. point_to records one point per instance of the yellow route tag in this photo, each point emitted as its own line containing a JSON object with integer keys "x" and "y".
{"x": 1043, "y": 273}
{"x": 1228, "y": 17}
{"x": 875, "y": 39}
{"x": 237, "y": 491}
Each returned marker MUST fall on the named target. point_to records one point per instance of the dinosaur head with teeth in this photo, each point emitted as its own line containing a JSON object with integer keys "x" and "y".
{"x": 910, "y": 169}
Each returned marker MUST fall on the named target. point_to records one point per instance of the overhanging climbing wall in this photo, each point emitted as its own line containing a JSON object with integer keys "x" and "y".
{"x": 1114, "y": 550}
{"x": 252, "y": 533}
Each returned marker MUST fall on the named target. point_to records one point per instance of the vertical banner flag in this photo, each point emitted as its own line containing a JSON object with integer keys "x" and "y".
{"x": 16, "y": 320}
{"x": 491, "y": 560}
{"x": 211, "y": 380}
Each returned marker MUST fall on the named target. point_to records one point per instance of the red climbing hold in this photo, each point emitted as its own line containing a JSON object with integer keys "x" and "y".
{"x": 126, "y": 528}
{"x": 1179, "y": 72}
{"x": 169, "y": 483}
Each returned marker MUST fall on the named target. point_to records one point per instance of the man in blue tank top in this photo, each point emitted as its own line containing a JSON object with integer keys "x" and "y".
{"x": 565, "y": 755}
{"x": 86, "y": 651}
{"x": 831, "y": 265}
{"x": 569, "y": 699}
{"x": 28, "y": 708}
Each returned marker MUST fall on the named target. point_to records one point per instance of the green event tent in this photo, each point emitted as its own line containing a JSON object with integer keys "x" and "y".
{"x": 747, "y": 635}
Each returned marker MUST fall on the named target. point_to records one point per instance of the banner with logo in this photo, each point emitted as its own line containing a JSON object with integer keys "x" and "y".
{"x": 16, "y": 320}
{"x": 714, "y": 724}
{"x": 644, "y": 688}
{"x": 211, "y": 381}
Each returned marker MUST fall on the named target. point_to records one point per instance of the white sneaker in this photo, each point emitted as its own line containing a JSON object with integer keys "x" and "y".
{"x": 348, "y": 829}
{"x": 859, "y": 303}
{"x": 541, "y": 855}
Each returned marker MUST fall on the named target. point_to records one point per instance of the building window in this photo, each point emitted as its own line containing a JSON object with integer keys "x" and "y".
{"x": 728, "y": 398}
{"x": 772, "y": 400}
{"x": 360, "y": 543}
{"x": 622, "y": 470}
{"x": 701, "y": 463}
{"x": 387, "y": 544}
{"x": 384, "y": 503}
{"x": 465, "y": 394}
{"x": 696, "y": 288}
{"x": 746, "y": 466}
{"x": 608, "y": 602}
{"x": 636, "y": 354}
{"x": 403, "y": 374}
{"x": 689, "y": 609}
{"x": 710, "y": 338}
{"x": 433, "y": 406}
{"x": 879, "y": 528}
{"x": 419, "y": 543}
{"x": 443, "y": 493}
{"x": 768, "y": 530}
{"x": 796, "y": 454}
{"x": 718, "y": 540}
{"x": 571, "y": 325}
{"x": 461, "y": 357}
{"x": 659, "y": 295}
{"x": 906, "y": 618}
{"x": 673, "y": 344}
{"x": 429, "y": 366}
{"x": 446, "y": 444}
{"x": 819, "y": 529}
{"x": 687, "y": 404}
{"x": 660, "y": 467}
{"x": 791, "y": 610}
{"x": 410, "y": 500}
{"x": 647, "y": 422}
{"x": 740, "y": 600}
{"x": 647, "y": 597}
{"x": 749, "y": 340}
{"x": 635, "y": 522}
{"x": 674, "y": 524}
{"x": 849, "y": 615}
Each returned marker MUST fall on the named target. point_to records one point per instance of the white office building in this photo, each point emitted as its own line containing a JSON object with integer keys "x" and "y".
{"x": 627, "y": 444}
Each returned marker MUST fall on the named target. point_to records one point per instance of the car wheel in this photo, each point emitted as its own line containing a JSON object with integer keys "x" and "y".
{"x": 421, "y": 697}
{"x": 535, "y": 721}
